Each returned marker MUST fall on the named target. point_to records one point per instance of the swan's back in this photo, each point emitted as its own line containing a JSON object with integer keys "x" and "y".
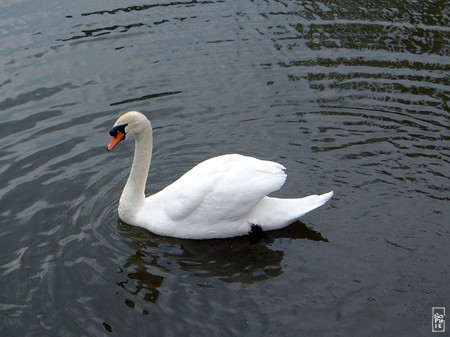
{"x": 216, "y": 195}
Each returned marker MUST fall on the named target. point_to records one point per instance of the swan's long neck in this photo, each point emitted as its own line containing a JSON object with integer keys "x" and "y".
{"x": 133, "y": 194}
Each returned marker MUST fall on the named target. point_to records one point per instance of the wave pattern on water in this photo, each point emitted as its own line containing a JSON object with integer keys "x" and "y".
{"x": 384, "y": 106}
{"x": 348, "y": 95}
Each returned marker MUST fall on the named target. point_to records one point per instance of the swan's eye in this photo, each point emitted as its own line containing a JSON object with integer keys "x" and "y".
{"x": 115, "y": 130}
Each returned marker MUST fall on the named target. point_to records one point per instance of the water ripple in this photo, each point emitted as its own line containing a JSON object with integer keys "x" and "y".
{"x": 351, "y": 97}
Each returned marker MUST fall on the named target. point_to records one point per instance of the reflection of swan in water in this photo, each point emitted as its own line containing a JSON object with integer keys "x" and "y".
{"x": 247, "y": 259}
{"x": 143, "y": 280}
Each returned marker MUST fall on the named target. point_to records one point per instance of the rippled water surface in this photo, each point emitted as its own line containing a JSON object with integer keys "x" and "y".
{"x": 350, "y": 96}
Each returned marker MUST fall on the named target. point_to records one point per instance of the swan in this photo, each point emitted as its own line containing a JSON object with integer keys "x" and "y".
{"x": 221, "y": 197}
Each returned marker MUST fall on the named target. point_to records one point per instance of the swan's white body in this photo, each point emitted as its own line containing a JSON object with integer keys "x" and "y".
{"x": 220, "y": 197}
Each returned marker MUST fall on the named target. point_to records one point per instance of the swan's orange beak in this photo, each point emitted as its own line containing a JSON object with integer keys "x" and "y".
{"x": 115, "y": 140}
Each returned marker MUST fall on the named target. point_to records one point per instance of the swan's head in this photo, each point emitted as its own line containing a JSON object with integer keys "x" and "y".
{"x": 129, "y": 124}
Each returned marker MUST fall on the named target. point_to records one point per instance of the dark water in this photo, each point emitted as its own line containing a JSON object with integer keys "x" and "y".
{"x": 350, "y": 96}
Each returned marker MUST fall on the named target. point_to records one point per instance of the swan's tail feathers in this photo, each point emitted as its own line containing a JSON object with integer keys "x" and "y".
{"x": 274, "y": 213}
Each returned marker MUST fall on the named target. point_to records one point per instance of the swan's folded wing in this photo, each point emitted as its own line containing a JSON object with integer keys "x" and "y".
{"x": 221, "y": 189}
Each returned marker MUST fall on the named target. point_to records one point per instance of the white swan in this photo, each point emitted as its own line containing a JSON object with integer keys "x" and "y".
{"x": 220, "y": 197}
